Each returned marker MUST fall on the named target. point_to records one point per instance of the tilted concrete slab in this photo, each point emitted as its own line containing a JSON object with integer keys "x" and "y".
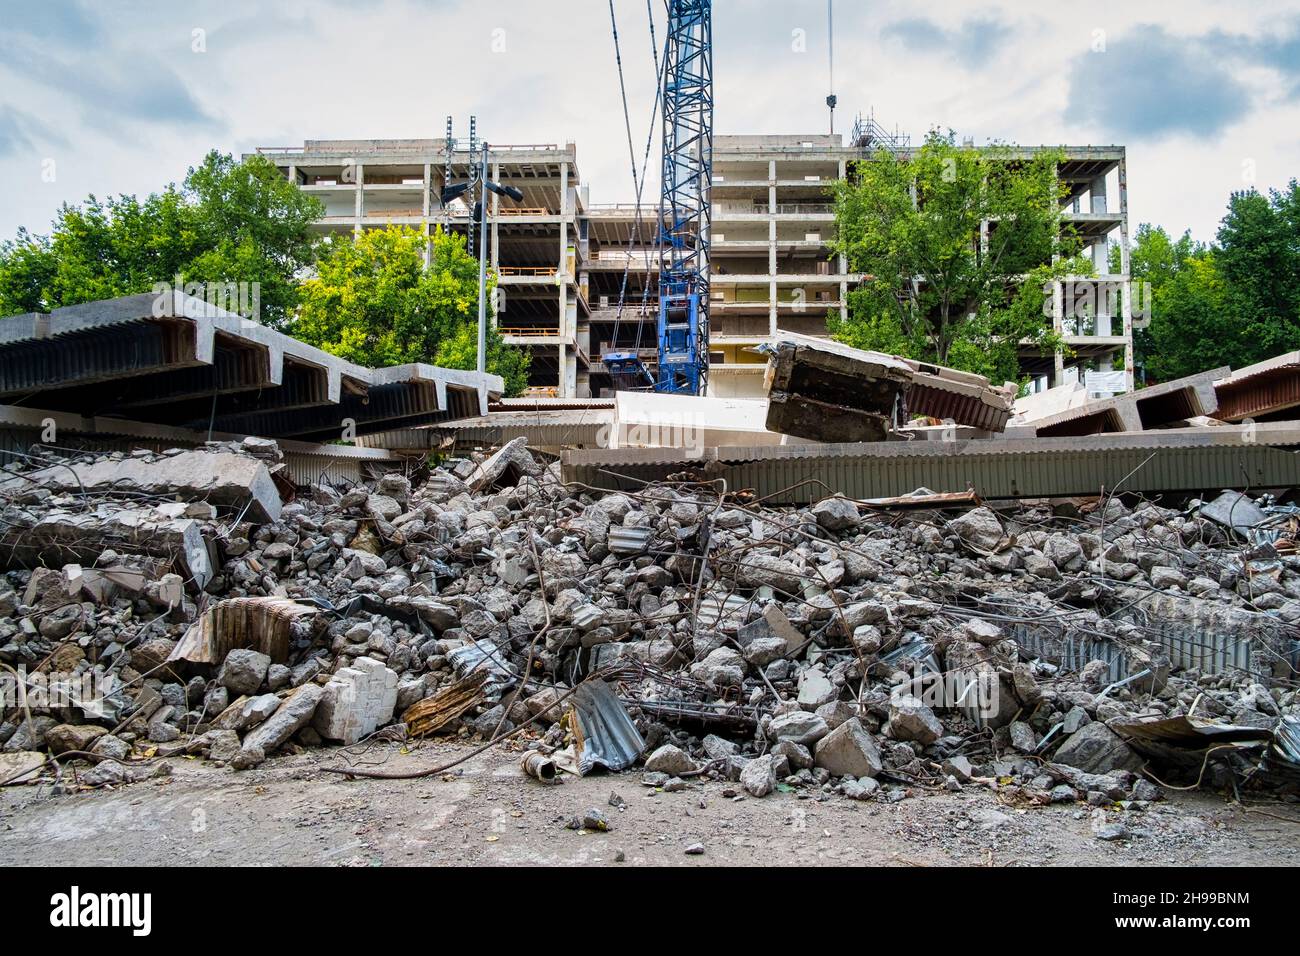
{"x": 827, "y": 391}
{"x": 1268, "y": 389}
{"x": 220, "y": 478}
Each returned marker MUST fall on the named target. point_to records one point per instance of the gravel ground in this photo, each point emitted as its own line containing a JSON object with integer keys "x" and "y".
{"x": 485, "y": 812}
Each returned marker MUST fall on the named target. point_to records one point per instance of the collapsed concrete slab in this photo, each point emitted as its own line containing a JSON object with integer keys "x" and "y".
{"x": 1156, "y": 406}
{"x": 1265, "y": 390}
{"x": 827, "y": 391}
{"x": 221, "y": 478}
{"x": 819, "y": 390}
{"x": 69, "y": 537}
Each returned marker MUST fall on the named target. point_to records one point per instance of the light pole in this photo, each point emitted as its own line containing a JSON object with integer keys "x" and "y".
{"x": 482, "y": 266}
{"x": 479, "y": 211}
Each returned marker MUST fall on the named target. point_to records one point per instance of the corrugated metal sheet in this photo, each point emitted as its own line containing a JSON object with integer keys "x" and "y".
{"x": 1144, "y": 461}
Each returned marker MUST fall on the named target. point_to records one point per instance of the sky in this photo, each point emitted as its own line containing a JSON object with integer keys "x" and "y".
{"x": 122, "y": 96}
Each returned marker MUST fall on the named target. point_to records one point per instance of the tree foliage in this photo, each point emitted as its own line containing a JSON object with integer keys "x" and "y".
{"x": 1234, "y": 302}
{"x": 939, "y": 287}
{"x": 372, "y": 301}
{"x": 230, "y": 222}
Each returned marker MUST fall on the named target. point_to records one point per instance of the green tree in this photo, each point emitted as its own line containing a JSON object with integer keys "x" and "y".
{"x": 942, "y": 287}
{"x": 1233, "y": 303}
{"x": 229, "y": 222}
{"x": 372, "y": 301}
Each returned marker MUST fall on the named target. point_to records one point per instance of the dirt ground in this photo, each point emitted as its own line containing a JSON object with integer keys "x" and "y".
{"x": 486, "y": 812}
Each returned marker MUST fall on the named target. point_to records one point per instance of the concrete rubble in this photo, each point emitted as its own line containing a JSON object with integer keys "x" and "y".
{"x": 838, "y": 650}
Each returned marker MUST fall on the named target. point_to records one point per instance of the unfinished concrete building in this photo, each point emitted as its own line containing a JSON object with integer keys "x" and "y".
{"x": 533, "y": 244}
{"x": 564, "y": 262}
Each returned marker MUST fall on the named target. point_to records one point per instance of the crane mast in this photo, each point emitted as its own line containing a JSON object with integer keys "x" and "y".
{"x": 684, "y": 203}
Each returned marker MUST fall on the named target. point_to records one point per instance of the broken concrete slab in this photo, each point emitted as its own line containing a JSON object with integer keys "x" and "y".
{"x": 1095, "y": 748}
{"x": 292, "y": 715}
{"x": 1267, "y": 390}
{"x": 63, "y": 536}
{"x": 506, "y": 466}
{"x": 826, "y": 391}
{"x": 219, "y": 478}
{"x": 1234, "y": 510}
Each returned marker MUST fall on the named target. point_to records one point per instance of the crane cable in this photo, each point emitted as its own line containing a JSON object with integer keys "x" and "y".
{"x": 638, "y": 180}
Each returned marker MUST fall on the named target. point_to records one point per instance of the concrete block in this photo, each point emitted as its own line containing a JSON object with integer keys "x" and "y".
{"x": 356, "y": 701}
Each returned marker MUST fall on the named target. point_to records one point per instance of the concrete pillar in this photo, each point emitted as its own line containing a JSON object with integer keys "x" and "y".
{"x": 293, "y": 174}
{"x": 1126, "y": 301}
{"x": 494, "y": 240}
{"x": 564, "y": 189}
{"x": 360, "y": 197}
{"x": 1058, "y": 311}
{"x": 1098, "y": 189}
{"x": 427, "y": 202}
{"x": 843, "y": 264}
{"x": 771, "y": 248}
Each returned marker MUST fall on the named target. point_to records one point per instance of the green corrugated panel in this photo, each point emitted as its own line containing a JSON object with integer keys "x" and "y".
{"x": 1048, "y": 473}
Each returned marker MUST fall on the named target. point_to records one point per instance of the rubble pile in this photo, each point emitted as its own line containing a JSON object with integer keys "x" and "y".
{"x": 843, "y": 648}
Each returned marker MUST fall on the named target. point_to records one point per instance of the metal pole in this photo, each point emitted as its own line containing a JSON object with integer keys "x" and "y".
{"x": 482, "y": 264}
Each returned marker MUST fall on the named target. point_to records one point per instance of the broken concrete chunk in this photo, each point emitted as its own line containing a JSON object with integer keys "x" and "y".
{"x": 910, "y": 719}
{"x": 1095, "y": 748}
{"x": 292, "y": 715}
{"x": 356, "y": 701}
{"x": 798, "y": 726}
{"x": 670, "y": 760}
{"x": 850, "y": 751}
{"x": 243, "y": 671}
{"x": 507, "y": 466}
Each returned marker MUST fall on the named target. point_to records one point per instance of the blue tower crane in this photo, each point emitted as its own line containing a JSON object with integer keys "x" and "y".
{"x": 682, "y": 236}
{"x": 684, "y": 202}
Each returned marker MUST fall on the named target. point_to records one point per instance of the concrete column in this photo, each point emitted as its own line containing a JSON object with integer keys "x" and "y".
{"x": 1098, "y": 190}
{"x": 1126, "y": 300}
{"x": 771, "y": 248}
{"x": 1058, "y": 311}
{"x": 564, "y": 189}
{"x": 495, "y": 238}
{"x": 361, "y": 196}
{"x": 293, "y": 174}
{"x": 428, "y": 188}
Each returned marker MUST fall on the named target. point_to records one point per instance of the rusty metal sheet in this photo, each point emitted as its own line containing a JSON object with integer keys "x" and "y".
{"x": 263, "y": 624}
{"x": 930, "y": 499}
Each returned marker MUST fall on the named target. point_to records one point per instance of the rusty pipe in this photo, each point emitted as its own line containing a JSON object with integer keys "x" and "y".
{"x": 538, "y": 766}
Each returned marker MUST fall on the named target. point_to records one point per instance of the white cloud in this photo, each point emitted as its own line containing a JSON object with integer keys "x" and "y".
{"x": 139, "y": 105}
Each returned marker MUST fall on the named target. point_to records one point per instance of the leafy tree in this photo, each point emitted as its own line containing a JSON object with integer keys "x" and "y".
{"x": 939, "y": 288}
{"x": 371, "y": 301}
{"x": 230, "y": 222}
{"x": 1235, "y": 302}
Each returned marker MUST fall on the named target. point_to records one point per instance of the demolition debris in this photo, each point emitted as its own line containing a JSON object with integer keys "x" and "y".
{"x": 1051, "y": 650}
